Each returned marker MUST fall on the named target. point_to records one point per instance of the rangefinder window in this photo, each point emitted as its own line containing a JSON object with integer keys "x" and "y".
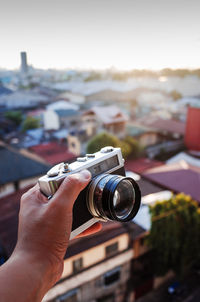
{"x": 104, "y": 166}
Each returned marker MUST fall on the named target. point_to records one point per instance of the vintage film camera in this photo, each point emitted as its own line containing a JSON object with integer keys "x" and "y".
{"x": 109, "y": 195}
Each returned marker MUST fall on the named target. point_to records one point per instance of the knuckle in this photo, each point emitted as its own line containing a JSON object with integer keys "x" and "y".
{"x": 73, "y": 181}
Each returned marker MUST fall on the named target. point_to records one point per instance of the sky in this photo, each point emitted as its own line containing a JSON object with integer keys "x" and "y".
{"x": 99, "y": 34}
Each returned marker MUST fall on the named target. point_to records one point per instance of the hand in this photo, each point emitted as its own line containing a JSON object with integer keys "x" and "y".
{"x": 45, "y": 225}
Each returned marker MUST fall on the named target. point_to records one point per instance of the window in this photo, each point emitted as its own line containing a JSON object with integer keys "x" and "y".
{"x": 111, "y": 249}
{"x": 77, "y": 265}
{"x": 112, "y": 276}
{"x": 73, "y": 145}
{"x": 71, "y": 296}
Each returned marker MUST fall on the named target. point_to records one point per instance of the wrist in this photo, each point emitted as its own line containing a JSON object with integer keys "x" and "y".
{"x": 42, "y": 272}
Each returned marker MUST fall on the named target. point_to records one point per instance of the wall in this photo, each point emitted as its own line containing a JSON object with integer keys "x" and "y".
{"x": 51, "y": 120}
{"x": 94, "y": 255}
{"x": 192, "y": 134}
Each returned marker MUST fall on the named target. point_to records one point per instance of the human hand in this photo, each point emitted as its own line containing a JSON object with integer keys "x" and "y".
{"x": 45, "y": 225}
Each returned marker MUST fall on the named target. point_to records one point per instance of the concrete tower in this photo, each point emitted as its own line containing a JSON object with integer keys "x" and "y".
{"x": 24, "y": 66}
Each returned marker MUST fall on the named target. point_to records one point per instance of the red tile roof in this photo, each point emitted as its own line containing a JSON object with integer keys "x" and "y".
{"x": 53, "y": 153}
{"x": 179, "y": 177}
{"x": 159, "y": 124}
{"x": 142, "y": 164}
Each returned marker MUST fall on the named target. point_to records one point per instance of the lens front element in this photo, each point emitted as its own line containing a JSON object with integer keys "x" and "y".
{"x": 123, "y": 199}
{"x": 113, "y": 197}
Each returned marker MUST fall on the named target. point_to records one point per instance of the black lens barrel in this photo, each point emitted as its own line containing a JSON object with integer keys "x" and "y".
{"x": 101, "y": 203}
{"x": 108, "y": 195}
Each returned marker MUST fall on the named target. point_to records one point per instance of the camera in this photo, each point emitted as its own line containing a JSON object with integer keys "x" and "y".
{"x": 110, "y": 195}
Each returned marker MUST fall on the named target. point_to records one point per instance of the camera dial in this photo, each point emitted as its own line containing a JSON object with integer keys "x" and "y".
{"x": 113, "y": 197}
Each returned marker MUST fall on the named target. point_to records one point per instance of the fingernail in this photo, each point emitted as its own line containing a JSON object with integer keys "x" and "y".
{"x": 85, "y": 175}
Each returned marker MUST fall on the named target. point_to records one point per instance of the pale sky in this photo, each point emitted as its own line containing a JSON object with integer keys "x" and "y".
{"x": 126, "y": 34}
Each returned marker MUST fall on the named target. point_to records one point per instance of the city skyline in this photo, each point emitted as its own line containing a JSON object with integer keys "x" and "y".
{"x": 101, "y": 34}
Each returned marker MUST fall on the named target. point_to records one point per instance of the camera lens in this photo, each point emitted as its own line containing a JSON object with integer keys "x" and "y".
{"x": 123, "y": 199}
{"x": 113, "y": 197}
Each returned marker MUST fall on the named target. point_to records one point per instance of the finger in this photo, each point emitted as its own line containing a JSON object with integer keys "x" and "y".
{"x": 34, "y": 195}
{"x": 71, "y": 187}
{"x": 91, "y": 230}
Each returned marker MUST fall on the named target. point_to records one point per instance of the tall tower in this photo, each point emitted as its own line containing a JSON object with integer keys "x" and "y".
{"x": 24, "y": 65}
{"x": 192, "y": 134}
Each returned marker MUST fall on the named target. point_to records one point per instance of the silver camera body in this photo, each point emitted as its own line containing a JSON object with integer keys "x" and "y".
{"x": 92, "y": 204}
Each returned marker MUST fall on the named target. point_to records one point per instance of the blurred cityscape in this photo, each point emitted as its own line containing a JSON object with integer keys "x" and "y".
{"x": 53, "y": 116}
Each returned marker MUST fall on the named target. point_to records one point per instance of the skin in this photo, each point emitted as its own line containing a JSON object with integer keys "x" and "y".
{"x": 43, "y": 235}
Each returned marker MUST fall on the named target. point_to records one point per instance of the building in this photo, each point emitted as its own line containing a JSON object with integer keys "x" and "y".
{"x": 192, "y": 135}
{"x": 186, "y": 157}
{"x": 166, "y": 127}
{"x": 18, "y": 170}
{"x": 78, "y": 139}
{"x": 109, "y": 118}
{"x": 23, "y": 99}
{"x": 97, "y": 268}
{"x": 52, "y": 152}
{"x": 24, "y": 65}
{"x": 61, "y": 115}
{"x": 177, "y": 177}
{"x": 74, "y": 98}
{"x": 144, "y": 135}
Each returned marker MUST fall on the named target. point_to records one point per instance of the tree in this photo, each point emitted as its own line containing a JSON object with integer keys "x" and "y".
{"x": 136, "y": 150}
{"x": 130, "y": 147}
{"x": 14, "y": 116}
{"x": 176, "y": 95}
{"x": 175, "y": 234}
{"x": 30, "y": 123}
{"x": 102, "y": 140}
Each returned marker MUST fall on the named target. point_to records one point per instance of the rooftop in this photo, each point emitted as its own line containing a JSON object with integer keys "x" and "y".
{"x": 178, "y": 177}
{"x": 109, "y": 231}
{"x": 166, "y": 125}
{"x": 53, "y": 153}
{"x": 4, "y": 90}
{"x": 141, "y": 164}
{"x": 15, "y": 166}
{"x": 108, "y": 114}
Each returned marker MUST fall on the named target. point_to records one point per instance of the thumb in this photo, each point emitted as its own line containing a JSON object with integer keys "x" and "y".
{"x": 70, "y": 188}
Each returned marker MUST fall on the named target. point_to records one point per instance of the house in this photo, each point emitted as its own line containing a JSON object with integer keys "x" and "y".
{"x": 78, "y": 139}
{"x": 4, "y": 90}
{"x": 98, "y": 267}
{"x": 142, "y": 164}
{"x": 144, "y": 135}
{"x": 166, "y": 127}
{"x": 74, "y": 98}
{"x": 192, "y": 135}
{"x": 60, "y": 114}
{"x": 109, "y": 118}
{"x": 23, "y": 99}
{"x": 53, "y": 152}
{"x": 18, "y": 170}
{"x": 186, "y": 157}
{"x": 177, "y": 177}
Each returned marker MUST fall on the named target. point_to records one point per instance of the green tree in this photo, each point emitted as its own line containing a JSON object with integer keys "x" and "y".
{"x": 102, "y": 140}
{"x": 136, "y": 150}
{"x": 175, "y": 234}
{"x": 14, "y": 116}
{"x": 130, "y": 147}
{"x": 176, "y": 95}
{"x": 30, "y": 123}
